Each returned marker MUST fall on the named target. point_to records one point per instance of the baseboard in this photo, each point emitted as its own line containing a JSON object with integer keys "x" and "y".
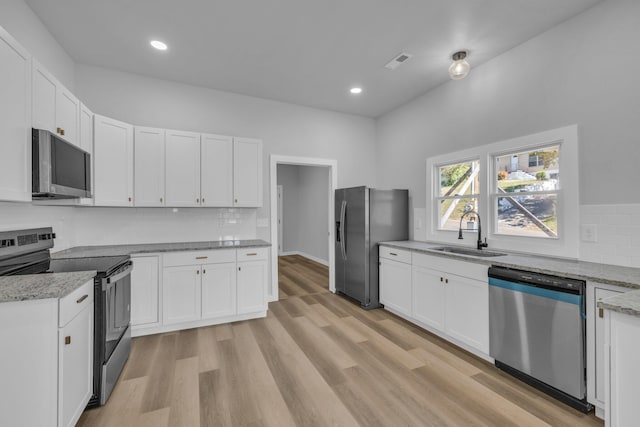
{"x": 302, "y": 254}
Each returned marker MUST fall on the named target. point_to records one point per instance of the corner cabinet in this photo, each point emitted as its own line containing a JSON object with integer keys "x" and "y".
{"x": 15, "y": 120}
{"x": 446, "y": 296}
{"x": 55, "y": 337}
{"x": 113, "y": 162}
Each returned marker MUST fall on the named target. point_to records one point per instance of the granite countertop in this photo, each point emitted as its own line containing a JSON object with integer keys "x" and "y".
{"x": 116, "y": 250}
{"x": 626, "y": 277}
{"x": 42, "y": 286}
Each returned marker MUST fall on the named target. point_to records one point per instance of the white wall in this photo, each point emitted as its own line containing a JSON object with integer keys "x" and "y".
{"x": 19, "y": 20}
{"x": 305, "y": 210}
{"x": 580, "y": 72}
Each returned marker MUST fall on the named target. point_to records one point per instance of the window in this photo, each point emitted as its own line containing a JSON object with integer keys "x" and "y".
{"x": 525, "y": 191}
{"x": 526, "y": 200}
{"x": 459, "y": 188}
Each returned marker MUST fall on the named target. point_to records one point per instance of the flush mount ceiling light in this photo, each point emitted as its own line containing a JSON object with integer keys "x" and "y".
{"x": 460, "y": 67}
{"x": 158, "y": 44}
{"x": 355, "y": 90}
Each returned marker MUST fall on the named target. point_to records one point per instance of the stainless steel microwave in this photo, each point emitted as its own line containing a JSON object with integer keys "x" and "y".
{"x": 60, "y": 170}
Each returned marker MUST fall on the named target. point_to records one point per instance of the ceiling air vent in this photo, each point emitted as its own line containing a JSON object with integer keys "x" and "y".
{"x": 399, "y": 59}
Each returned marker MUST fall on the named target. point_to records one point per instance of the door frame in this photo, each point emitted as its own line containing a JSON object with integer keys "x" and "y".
{"x": 276, "y": 160}
{"x": 280, "y": 219}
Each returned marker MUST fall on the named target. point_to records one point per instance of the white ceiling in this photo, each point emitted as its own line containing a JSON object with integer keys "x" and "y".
{"x": 299, "y": 51}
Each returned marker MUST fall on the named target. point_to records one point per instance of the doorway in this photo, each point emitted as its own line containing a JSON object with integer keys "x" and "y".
{"x": 277, "y": 241}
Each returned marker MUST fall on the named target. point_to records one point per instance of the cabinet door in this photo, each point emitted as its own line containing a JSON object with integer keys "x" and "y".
{"x": 149, "y": 166}
{"x": 182, "y": 168}
{"x": 15, "y": 120}
{"x": 218, "y": 290}
{"x": 247, "y": 172}
{"x": 467, "y": 311}
{"x": 75, "y": 370}
{"x": 181, "y": 294}
{"x": 68, "y": 116}
{"x": 45, "y": 90}
{"x": 144, "y": 290}
{"x": 216, "y": 170}
{"x": 395, "y": 286}
{"x": 428, "y": 296}
{"x": 113, "y": 162}
{"x": 600, "y": 294}
{"x": 86, "y": 143}
{"x": 252, "y": 286}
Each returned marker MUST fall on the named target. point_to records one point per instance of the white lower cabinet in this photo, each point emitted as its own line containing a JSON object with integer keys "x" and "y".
{"x": 395, "y": 285}
{"x": 428, "y": 297}
{"x": 218, "y": 290}
{"x": 596, "y": 370}
{"x": 622, "y": 346}
{"x": 144, "y": 291}
{"x": 252, "y": 280}
{"x": 181, "y": 294}
{"x": 445, "y": 295}
{"x": 46, "y": 362}
{"x": 198, "y": 288}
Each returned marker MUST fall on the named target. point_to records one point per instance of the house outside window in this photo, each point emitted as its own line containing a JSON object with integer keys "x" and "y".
{"x": 525, "y": 190}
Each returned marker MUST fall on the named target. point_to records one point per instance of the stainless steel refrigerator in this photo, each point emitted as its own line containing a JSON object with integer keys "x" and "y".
{"x": 364, "y": 217}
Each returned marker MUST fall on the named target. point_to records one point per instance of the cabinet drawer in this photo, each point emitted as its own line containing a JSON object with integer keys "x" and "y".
{"x": 470, "y": 270}
{"x": 395, "y": 254}
{"x": 172, "y": 259}
{"x": 252, "y": 254}
{"x": 75, "y": 302}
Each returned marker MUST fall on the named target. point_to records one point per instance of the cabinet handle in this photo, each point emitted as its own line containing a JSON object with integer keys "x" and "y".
{"x": 441, "y": 279}
{"x": 203, "y": 200}
{"x": 204, "y": 271}
{"x": 197, "y": 200}
{"x": 59, "y": 131}
{"x": 82, "y": 298}
{"x": 391, "y": 253}
{"x": 129, "y": 198}
{"x": 202, "y": 257}
{"x": 67, "y": 340}
{"x": 239, "y": 268}
{"x": 62, "y": 132}
{"x": 236, "y": 200}
{"x": 198, "y": 272}
{"x": 446, "y": 280}
{"x": 601, "y": 312}
{"x": 252, "y": 254}
{"x": 160, "y": 199}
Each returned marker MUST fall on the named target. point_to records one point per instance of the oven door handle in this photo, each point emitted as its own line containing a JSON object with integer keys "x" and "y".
{"x": 113, "y": 279}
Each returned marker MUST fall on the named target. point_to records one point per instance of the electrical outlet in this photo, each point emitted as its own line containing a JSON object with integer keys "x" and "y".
{"x": 589, "y": 232}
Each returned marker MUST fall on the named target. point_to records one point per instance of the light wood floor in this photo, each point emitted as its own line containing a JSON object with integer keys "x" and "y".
{"x": 318, "y": 360}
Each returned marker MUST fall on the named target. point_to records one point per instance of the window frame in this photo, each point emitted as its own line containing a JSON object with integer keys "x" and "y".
{"x": 567, "y": 203}
{"x": 440, "y": 199}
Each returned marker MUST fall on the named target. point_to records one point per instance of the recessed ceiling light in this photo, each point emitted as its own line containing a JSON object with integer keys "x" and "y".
{"x": 158, "y": 44}
{"x": 355, "y": 90}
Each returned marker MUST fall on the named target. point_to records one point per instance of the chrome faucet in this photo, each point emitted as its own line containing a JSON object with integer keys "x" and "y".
{"x": 481, "y": 244}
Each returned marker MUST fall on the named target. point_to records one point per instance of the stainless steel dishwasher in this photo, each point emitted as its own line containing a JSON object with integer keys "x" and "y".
{"x": 537, "y": 331}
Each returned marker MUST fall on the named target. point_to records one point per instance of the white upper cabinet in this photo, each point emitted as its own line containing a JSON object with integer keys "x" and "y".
{"x": 54, "y": 107}
{"x": 247, "y": 172}
{"x": 182, "y": 168}
{"x": 113, "y": 162}
{"x": 216, "y": 170}
{"x": 149, "y": 164}
{"x": 15, "y": 120}
{"x": 86, "y": 143}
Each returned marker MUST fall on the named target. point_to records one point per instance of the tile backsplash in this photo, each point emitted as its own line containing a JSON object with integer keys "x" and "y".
{"x": 616, "y": 231}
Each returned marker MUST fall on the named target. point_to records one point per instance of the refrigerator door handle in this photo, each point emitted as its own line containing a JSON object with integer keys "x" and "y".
{"x": 343, "y": 213}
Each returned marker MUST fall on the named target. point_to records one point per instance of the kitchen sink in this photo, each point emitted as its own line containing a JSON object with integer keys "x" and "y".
{"x": 467, "y": 251}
